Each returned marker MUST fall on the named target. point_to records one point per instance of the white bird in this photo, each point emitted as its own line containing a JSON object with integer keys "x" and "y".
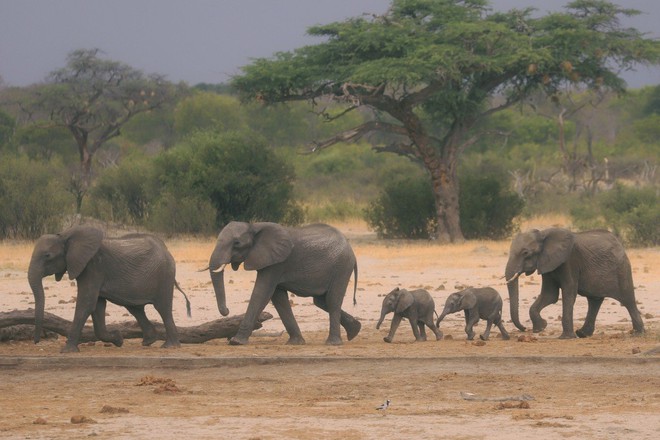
{"x": 384, "y": 405}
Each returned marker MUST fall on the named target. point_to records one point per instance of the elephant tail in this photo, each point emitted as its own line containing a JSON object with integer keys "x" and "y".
{"x": 176, "y": 284}
{"x": 355, "y": 271}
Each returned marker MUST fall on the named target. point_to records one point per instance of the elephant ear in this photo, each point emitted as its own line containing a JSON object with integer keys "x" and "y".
{"x": 82, "y": 243}
{"x": 405, "y": 300}
{"x": 271, "y": 245}
{"x": 557, "y": 246}
{"x": 468, "y": 301}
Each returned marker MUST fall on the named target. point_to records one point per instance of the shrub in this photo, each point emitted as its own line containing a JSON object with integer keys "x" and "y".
{"x": 404, "y": 209}
{"x": 191, "y": 215}
{"x": 631, "y": 213}
{"x": 33, "y": 200}
{"x": 236, "y": 172}
{"x": 123, "y": 194}
{"x": 487, "y": 207}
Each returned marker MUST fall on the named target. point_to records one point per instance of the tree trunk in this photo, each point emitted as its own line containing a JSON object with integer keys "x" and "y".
{"x": 446, "y": 193}
{"x": 218, "y": 329}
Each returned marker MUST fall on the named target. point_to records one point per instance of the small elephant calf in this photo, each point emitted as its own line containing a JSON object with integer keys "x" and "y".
{"x": 418, "y": 306}
{"x": 478, "y": 303}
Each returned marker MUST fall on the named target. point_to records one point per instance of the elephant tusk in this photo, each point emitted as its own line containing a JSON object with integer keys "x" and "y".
{"x": 513, "y": 278}
{"x": 219, "y": 269}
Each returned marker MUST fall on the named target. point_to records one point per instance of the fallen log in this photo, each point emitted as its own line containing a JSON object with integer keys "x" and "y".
{"x": 217, "y": 329}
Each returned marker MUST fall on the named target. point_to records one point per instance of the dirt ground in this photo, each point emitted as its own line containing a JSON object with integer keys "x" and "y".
{"x": 535, "y": 385}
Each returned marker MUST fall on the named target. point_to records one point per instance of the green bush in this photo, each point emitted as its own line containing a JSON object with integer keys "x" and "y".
{"x": 487, "y": 207}
{"x": 123, "y": 194}
{"x": 236, "y": 172}
{"x": 33, "y": 200}
{"x": 191, "y": 215}
{"x": 406, "y": 208}
{"x": 631, "y": 213}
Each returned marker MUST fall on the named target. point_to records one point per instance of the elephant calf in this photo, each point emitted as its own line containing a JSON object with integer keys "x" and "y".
{"x": 478, "y": 303}
{"x": 418, "y": 306}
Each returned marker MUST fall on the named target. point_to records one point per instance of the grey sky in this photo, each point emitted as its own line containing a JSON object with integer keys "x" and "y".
{"x": 199, "y": 40}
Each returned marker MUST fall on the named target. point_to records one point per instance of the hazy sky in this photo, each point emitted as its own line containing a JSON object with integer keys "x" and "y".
{"x": 199, "y": 40}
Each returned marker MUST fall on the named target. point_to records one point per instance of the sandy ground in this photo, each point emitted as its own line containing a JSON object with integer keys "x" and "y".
{"x": 607, "y": 386}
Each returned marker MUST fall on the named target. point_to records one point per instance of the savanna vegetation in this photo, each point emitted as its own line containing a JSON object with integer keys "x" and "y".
{"x": 445, "y": 121}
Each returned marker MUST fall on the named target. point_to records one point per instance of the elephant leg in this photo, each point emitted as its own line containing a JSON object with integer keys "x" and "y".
{"x": 486, "y": 334}
{"x": 350, "y": 324}
{"x": 549, "y": 295}
{"x": 280, "y": 300}
{"x": 149, "y": 333}
{"x": 422, "y": 331}
{"x": 590, "y": 321}
{"x": 88, "y": 295}
{"x": 264, "y": 288}
{"x": 635, "y": 315}
{"x": 569, "y": 295}
{"x": 429, "y": 323}
{"x": 164, "y": 309}
{"x": 470, "y": 320}
{"x": 500, "y": 324}
{"x": 396, "y": 320}
{"x": 100, "y": 329}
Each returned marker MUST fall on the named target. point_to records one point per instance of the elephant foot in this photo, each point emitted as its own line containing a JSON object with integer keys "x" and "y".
{"x": 296, "y": 340}
{"x": 387, "y": 339}
{"x": 70, "y": 348}
{"x": 438, "y": 336}
{"x": 540, "y": 326}
{"x": 582, "y": 333}
{"x": 568, "y": 335}
{"x": 117, "y": 339}
{"x": 353, "y": 329}
{"x": 333, "y": 340}
{"x": 169, "y": 344}
{"x": 483, "y": 338}
{"x": 505, "y": 336}
{"x": 148, "y": 339}
{"x": 420, "y": 339}
{"x": 238, "y": 341}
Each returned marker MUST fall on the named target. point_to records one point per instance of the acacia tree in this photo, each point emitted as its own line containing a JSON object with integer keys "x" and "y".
{"x": 93, "y": 99}
{"x": 432, "y": 70}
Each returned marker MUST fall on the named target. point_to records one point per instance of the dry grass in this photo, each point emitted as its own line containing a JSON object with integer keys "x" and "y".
{"x": 15, "y": 255}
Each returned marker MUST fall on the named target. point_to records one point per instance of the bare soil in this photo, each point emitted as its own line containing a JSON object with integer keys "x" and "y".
{"x": 534, "y": 385}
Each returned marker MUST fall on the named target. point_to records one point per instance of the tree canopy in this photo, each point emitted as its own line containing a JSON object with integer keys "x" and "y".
{"x": 94, "y": 98}
{"x": 432, "y": 71}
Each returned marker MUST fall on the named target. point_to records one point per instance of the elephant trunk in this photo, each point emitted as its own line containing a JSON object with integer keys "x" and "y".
{"x": 383, "y": 313}
{"x": 218, "y": 280}
{"x": 35, "y": 275}
{"x": 511, "y": 275}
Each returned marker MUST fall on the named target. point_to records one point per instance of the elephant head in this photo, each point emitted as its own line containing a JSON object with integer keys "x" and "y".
{"x": 256, "y": 245}
{"x": 68, "y": 251}
{"x": 457, "y": 301}
{"x": 397, "y": 301}
{"x": 541, "y": 251}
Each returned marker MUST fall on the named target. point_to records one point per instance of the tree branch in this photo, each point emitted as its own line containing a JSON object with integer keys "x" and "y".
{"x": 358, "y": 132}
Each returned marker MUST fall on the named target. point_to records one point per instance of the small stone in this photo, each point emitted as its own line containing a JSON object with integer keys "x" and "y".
{"x": 40, "y": 421}
{"x": 79, "y": 419}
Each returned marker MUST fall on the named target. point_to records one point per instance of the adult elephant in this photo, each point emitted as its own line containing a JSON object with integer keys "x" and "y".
{"x": 314, "y": 260}
{"x": 593, "y": 264}
{"x": 131, "y": 271}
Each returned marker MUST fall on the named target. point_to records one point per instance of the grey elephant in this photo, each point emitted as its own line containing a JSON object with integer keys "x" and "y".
{"x": 417, "y": 306}
{"x": 478, "y": 303}
{"x": 314, "y": 260}
{"x": 592, "y": 263}
{"x": 130, "y": 271}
